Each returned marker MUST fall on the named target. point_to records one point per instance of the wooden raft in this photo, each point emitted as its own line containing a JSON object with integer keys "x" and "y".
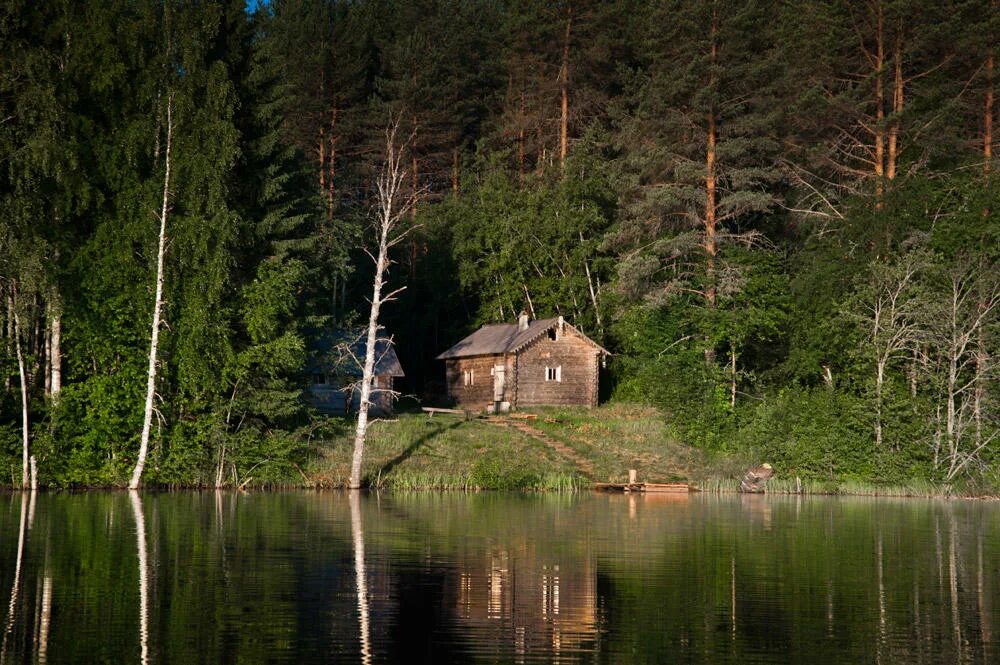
{"x": 664, "y": 488}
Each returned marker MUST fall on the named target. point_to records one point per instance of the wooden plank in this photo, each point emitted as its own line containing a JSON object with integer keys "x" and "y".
{"x": 652, "y": 488}
{"x": 524, "y": 416}
{"x": 666, "y": 487}
{"x": 432, "y": 410}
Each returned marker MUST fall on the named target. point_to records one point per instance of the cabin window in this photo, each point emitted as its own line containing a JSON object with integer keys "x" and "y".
{"x": 553, "y": 373}
{"x": 469, "y": 377}
{"x": 553, "y": 335}
{"x": 319, "y": 379}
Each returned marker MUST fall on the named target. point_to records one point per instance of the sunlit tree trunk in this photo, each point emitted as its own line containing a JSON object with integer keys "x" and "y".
{"x": 988, "y": 106}
{"x": 879, "y": 129}
{"x": 897, "y": 105}
{"x": 564, "y": 85}
{"x": 55, "y": 382}
{"x": 23, "y": 376}
{"x": 46, "y": 365}
{"x": 710, "y": 242}
{"x": 154, "y": 340}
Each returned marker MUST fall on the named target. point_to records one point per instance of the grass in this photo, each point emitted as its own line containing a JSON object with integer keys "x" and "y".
{"x": 448, "y": 452}
{"x": 444, "y": 452}
{"x": 619, "y": 437}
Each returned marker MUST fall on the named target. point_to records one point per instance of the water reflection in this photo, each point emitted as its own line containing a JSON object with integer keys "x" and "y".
{"x": 299, "y": 578}
{"x": 360, "y": 577}
{"x": 143, "y": 557}
{"x": 521, "y": 599}
{"x": 16, "y": 587}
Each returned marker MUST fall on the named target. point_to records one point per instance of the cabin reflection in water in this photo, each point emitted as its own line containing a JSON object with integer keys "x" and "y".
{"x": 515, "y": 599}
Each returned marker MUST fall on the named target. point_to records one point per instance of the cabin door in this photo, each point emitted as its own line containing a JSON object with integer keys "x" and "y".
{"x": 498, "y": 383}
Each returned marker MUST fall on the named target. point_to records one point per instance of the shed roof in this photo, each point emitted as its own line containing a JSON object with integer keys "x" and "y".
{"x": 333, "y": 351}
{"x": 500, "y": 338}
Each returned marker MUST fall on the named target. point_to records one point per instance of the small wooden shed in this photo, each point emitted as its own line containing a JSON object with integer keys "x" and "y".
{"x": 336, "y": 371}
{"x": 505, "y": 366}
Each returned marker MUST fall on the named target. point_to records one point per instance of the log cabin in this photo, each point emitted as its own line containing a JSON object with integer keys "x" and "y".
{"x": 507, "y": 366}
{"x": 336, "y": 370}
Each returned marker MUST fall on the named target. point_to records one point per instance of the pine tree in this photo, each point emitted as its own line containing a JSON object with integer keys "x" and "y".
{"x": 699, "y": 151}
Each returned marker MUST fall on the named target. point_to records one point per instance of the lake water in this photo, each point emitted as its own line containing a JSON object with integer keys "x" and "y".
{"x": 325, "y": 577}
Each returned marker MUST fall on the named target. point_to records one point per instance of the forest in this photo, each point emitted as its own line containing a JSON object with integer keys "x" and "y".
{"x": 780, "y": 216}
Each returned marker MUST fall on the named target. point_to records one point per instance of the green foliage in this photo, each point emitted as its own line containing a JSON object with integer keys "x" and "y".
{"x": 743, "y": 313}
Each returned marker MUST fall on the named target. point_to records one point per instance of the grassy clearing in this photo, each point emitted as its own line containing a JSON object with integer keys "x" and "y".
{"x": 444, "y": 452}
{"x": 448, "y": 452}
{"x": 619, "y": 437}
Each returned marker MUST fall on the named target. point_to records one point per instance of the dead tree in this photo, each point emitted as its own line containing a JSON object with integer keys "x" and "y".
{"x": 140, "y": 461}
{"x": 392, "y": 206}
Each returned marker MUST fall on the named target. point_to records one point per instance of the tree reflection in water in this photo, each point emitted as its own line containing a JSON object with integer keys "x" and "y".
{"x": 16, "y": 587}
{"x": 227, "y": 578}
{"x": 360, "y": 577}
{"x": 140, "y": 540}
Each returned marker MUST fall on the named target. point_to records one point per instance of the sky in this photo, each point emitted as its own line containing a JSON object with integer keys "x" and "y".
{"x": 252, "y": 5}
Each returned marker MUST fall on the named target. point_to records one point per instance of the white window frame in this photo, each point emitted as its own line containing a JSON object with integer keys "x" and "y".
{"x": 554, "y": 373}
{"x": 469, "y": 377}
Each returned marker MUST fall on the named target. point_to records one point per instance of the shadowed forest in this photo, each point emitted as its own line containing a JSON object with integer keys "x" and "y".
{"x": 780, "y": 217}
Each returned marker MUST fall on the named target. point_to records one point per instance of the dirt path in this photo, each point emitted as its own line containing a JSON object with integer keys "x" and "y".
{"x": 582, "y": 464}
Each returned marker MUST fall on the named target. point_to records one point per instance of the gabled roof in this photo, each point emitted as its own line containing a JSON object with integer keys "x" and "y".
{"x": 500, "y": 338}
{"x": 333, "y": 351}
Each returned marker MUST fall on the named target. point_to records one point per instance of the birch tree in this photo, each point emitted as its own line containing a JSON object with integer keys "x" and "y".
{"x": 14, "y": 308}
{"x": 393, "y": 202}
{"x": 957, "y": 321}
{"x": 889, "y": 313}
{"x": 154, "y": 339}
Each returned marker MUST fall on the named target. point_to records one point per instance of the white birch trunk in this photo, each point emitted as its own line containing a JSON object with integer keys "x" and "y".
{"x": 140, "y": 462}
{"x": 55, "y": 355}
{"x": 47, "y": 351}
{"x": 22, "y": 374}
{"x": 590, "y": 287}
{"x": 368, "y": 374}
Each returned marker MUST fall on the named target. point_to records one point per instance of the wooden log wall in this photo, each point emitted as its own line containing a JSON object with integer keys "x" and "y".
{"x": 480, "y": 393}
{"x": 578, "y": 360}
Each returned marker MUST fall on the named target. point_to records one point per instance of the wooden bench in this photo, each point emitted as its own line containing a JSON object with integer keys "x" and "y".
{"x": 431, "y": 410}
